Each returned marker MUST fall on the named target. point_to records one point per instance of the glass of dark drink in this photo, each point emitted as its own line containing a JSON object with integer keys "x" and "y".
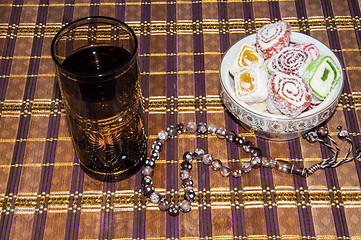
{"x": 97, "y": 69}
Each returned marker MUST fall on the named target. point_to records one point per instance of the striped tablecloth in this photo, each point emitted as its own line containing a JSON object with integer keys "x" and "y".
{"x": 45, "y": 195}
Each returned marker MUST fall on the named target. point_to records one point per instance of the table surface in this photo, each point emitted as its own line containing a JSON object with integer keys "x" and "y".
{"x": 45, "y": 194}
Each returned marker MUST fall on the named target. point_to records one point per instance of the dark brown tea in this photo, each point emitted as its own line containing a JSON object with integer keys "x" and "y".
{"x": 105, "y": 111}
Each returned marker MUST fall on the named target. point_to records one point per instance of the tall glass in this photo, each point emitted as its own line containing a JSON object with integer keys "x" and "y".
{"x": 97, "y": 68}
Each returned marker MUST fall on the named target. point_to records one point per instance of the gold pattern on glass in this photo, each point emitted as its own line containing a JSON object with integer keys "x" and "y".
{"x": 104, "y": 141}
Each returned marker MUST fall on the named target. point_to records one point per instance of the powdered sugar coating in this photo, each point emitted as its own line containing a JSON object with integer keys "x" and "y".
{"x": 250, "y": 90}
{"x": 309, "y": 48}
{"x": 244, "y": 60}
{"x": 290, "y": 59}
{"x": 322, "y": 75}
{"x": 289, "y": 93}
{"x": 314, "y": 102}
{"x": 272, "y": 108}
{"x": 272, "y": 38}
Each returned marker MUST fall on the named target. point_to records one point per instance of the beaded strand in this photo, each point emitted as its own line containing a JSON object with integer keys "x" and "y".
{"x": 257, "y": 160}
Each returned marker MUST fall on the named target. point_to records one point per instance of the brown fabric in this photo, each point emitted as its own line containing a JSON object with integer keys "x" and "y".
{"x": 45, "y": 195}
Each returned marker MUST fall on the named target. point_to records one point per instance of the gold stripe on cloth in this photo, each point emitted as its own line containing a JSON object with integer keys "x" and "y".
{"x": 184, "y": 26}
{"x": 218, "y": 198}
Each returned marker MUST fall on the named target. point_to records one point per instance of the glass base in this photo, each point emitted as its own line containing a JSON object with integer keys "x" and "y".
{"x": 113, "y": 177}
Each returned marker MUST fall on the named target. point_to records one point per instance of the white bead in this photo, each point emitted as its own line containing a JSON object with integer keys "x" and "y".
{"x": 207, "y": 159}
{"x": 163, "y": 135}
{"x": 212, "y": 129}
{"x": 185, "y": 206}
{"x": 155, "y": 197}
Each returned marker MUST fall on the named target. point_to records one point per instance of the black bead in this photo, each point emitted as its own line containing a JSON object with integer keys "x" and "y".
{"x": 256, "y": 152}
{"x": 256, "y": 162}
{"x": 236, "y": 171}
{"x": 190, "y": 195}
{"x": 202, "y": 128}
{"x": 181, "y": 127}
{"x": 172, "y": 131}
{"x": 155, "y": 155}
{"x": 174, "y": 210}
{"x": 147, "y": 180}
{"x": 188, "y": 156}
{"x": 322, "y": 132}
{"x": 187, "y": 183}
{"x": 148, "y": 189}
{"x": 240, "y": 140}
{"x": 157, "y": 146}
{"x": 248, "y": 147}
{"x": 230, "y": 136}
{"x": 216, "y": 164}
{"x": 185, "y": 165}
{"x": 150, "y": 162}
